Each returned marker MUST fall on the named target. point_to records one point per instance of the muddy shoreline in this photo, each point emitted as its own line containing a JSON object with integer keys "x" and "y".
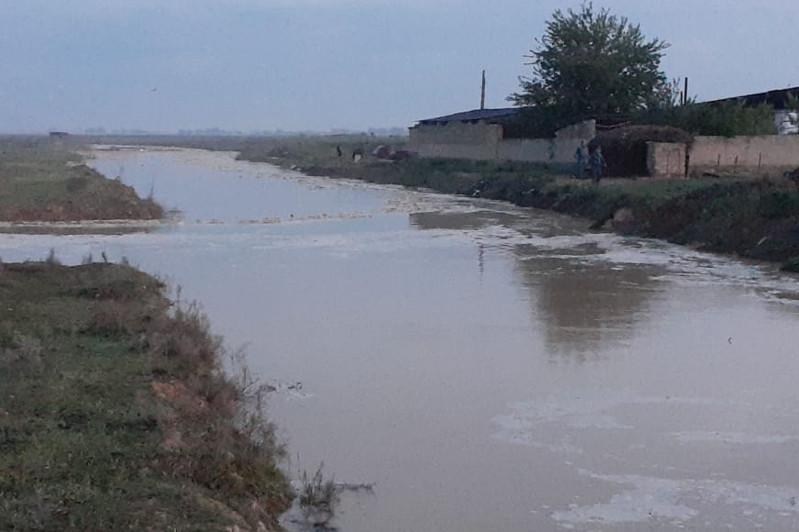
{"x": 756, "y": 219}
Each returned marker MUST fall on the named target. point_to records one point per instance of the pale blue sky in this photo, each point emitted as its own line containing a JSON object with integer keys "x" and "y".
{"x": 321, "y": 64}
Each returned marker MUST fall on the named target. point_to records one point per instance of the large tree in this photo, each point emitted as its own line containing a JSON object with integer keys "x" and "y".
{"x": 592, "y": 63}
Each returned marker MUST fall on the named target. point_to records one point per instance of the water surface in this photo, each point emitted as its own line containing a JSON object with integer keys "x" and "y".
{"x": 486, "y": 367}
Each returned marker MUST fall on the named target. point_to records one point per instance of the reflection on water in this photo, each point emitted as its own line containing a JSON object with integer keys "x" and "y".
{"x": 435, "y": 337}
{"x": 462, "y": 221}
{"x": 586, "y": 308}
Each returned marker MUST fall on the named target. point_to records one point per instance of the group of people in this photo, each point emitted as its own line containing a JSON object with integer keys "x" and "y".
{"x": 589, "y": 161}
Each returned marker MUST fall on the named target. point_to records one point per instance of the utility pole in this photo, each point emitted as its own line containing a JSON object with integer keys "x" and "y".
{"x": 685, "y": 92}
{"x": 483, "y": 93}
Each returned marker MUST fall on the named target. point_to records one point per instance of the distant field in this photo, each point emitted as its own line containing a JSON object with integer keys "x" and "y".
{"x": 310, "y": 145}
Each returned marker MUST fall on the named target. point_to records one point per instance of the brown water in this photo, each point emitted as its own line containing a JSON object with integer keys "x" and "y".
{"x": 486, "y": 367}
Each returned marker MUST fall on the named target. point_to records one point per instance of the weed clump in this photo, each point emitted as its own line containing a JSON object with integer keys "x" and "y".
{"x": 318, "y": 498}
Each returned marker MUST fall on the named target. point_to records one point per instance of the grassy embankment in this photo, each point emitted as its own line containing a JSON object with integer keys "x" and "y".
{"x": 46, "y": 181}
{"x": 115, "y": 413}
{"x": 114, "y": 410}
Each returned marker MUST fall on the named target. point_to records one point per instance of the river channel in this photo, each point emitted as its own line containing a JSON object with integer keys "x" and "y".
{"x": 485, "y": 367}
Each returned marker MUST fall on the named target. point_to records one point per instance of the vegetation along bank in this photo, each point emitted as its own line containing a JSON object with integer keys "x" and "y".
{"x": 115, "y": 413}
{"x": 753, "y": 218}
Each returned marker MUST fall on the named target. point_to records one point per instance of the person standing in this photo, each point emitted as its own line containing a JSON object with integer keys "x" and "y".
{"x": 597, "y": 163}
{"x": 580, "y": 158}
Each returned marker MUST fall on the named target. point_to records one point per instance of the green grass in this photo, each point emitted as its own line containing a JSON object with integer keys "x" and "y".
{"x": 44, "y": 180}
{"x": 115, "y": 414}
{"x": 655, "y": 190}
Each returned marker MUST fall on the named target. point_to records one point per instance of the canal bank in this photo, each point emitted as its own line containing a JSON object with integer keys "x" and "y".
{"x": 115, "y": 412}
{"x": 115, "y": 409}
{"x": 753, "y": 218}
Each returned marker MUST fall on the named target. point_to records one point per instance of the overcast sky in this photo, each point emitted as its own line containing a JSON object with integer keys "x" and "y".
{"x": 321, "y": 64}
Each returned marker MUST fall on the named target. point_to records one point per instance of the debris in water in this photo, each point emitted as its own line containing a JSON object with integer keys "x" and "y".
{"x": 368, "y": 487}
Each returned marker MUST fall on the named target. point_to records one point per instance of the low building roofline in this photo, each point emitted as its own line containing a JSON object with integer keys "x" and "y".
{"x": 487, "y": 115}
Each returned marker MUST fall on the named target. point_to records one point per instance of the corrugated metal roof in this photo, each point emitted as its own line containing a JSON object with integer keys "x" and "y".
{"x": 477, "y": 114}
{"x": 778, "y": 98}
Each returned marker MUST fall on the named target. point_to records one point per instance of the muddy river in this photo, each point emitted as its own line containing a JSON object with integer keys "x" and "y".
{"x": 485, "y": 367}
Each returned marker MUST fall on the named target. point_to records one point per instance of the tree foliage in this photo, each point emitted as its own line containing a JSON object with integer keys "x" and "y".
{"x": 721, "y": 119}
{"x": 591, "y": 63}
{"x": 726, "y": 119}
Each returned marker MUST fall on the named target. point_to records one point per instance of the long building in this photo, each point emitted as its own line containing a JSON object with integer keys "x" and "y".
{"x": 480, "y": 135}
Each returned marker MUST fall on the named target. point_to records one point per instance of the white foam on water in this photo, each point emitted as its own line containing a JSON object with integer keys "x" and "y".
{"x": 649, "y": 498}
{"x": 679, "y": 264}
{"x": 529, "y": 422}
{"x": 71, "y": 248}
{"x": 680, "y": 500}
{"x": 734, "y": 438}
{"x": 556, "y": 424}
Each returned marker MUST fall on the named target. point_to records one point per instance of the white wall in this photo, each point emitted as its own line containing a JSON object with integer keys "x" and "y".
{"x": 539, "y": 150}
{"x": 483, "y": 141}
{"x": 665, "y": 159}
{"x": 760, "y": 155}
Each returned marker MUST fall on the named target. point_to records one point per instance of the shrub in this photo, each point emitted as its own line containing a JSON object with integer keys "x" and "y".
{"x": 791, "y": 265}
{"x": 112, "y": 318}
{"x": 719, "y": 119}
{"x": 76, "y": 184}
{"x": 779, "y": 204}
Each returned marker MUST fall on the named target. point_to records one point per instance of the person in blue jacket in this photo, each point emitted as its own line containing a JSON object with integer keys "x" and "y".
{"x": 597, "y": 164}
